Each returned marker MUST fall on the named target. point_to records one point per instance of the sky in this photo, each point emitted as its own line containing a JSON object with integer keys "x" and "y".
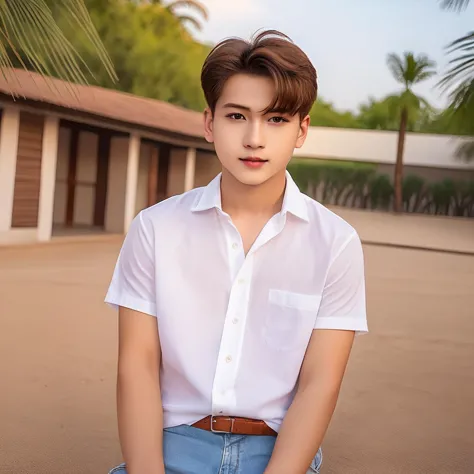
{"x": 348, "y": 40}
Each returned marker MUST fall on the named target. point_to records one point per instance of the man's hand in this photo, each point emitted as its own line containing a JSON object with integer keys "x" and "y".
{"x": 308, "y": 417}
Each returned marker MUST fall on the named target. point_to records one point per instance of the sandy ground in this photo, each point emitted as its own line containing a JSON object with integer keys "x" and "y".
{"x": 407, "y": 400}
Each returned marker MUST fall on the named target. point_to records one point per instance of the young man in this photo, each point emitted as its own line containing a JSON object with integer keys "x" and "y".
{"x": 238, "y": 302}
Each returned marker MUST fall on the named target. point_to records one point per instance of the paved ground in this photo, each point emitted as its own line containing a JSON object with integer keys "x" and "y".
{"x": 413, "y": 230}
{"x": 407, "y": 401}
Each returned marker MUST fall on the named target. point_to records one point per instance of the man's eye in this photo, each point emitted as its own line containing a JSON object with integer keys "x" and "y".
{"x": 278, "y": 119}
{"x": 235, "y": 116}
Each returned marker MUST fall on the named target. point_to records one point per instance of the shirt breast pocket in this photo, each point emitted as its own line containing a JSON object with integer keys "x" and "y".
{"x": 290, "y": 319}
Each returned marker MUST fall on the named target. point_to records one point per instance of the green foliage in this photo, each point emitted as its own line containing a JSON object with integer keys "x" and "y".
{"x": 452, "y": 197}
{"x": 377, "y": 115}
{"x": 358, "y": 185}
{"x": 323, "y": 114}
{"x": 412, "y": 192}
{"x": 381, "y": 192}
{"x": 155, "y": 56}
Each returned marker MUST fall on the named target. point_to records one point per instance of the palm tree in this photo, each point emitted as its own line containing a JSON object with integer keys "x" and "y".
{"x": 30, "y": 35}
{"x": 407, "y": 70}
{"x": 175, "y": 5}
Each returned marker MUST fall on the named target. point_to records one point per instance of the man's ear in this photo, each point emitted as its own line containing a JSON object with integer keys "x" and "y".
{"x": 208, "y": 135}
{"x": 303, "y": 132}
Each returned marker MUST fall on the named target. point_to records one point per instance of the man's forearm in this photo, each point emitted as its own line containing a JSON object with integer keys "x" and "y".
{"x": 140, "y": 417}
{"x": 302, "y": 431}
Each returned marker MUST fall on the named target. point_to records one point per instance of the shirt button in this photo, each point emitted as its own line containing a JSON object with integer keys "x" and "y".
{"x": 235, "y": 320}
{"x": 228, "y": 359}
{"x": 235, "y": 245}
{"x": 241, "y": 281}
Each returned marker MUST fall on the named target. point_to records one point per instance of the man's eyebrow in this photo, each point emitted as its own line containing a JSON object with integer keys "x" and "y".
{"x": 278, "y": 111}
{"x": 231, "y": 105}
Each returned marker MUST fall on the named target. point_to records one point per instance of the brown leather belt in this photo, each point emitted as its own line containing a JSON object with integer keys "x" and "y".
{"x": 235, "y": 425}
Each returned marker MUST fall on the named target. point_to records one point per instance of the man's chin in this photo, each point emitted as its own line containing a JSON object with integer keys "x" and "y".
{"x": 252, "y": 178}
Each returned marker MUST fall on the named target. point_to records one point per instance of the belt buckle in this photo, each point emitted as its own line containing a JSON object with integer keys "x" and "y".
{"x": 218, "y": 431}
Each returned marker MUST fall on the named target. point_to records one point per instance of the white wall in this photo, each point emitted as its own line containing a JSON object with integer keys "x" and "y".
{"x": 381, "y": 147}
{"x": 49, "y": 159}
{"x": 9, "y": 129}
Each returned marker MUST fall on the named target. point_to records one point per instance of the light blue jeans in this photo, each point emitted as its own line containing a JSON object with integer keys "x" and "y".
{"x": 189, "y": 450}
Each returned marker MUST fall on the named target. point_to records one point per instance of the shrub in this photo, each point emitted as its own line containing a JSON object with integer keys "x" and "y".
{"x": 413, "y": 192}
{"x": 381, "y": 192}
{"x": 356, "y": 184}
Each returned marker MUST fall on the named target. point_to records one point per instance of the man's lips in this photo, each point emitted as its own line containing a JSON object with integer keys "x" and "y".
{"x": 253, "y": 159}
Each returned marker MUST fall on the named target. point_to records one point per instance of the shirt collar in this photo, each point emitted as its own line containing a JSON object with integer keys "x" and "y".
{"x": 293, "y": 200}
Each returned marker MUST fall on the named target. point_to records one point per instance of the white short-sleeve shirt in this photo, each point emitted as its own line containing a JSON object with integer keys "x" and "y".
{"x": 233, "y": 328}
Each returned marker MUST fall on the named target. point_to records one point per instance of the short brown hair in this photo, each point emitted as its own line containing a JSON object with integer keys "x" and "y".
{"x": 271, "y": 54}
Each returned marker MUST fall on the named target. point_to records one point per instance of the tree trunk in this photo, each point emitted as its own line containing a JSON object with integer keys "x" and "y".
{"x": 398, "y": 178}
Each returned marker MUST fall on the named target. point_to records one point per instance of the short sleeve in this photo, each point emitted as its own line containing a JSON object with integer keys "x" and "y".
{"x": 343, "y": 303}
{"x": 133, "y": 280}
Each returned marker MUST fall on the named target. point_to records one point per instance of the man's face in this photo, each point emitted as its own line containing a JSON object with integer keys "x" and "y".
{"x": 252, "y": 146}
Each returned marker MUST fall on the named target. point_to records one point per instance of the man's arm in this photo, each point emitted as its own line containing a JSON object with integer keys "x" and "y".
{"x": 140, "y": 414}
{"x": 342, "y": 313}
{"x": 308, "y": 417}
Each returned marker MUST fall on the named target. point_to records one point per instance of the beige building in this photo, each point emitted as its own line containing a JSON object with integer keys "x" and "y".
{"x": 85, "y": 159}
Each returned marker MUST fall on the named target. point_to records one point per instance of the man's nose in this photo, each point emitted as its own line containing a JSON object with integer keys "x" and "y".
{"x": 254, "y": 136}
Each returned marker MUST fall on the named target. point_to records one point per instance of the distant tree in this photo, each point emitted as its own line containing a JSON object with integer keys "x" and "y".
{"x": 323, "y": 114}
{"x": 377, "y": 115}
{"x": 154, "y": 54}
{"x": 31, "y": 38}
{"x": 408, "y": 70}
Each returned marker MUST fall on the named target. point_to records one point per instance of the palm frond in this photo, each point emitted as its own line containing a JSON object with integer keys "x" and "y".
{"x": 190, "y": 19}
{"x": 76, "y": 14}
{"x": 30, "y": 31}
{"x": 466, "y": 42}
{"x": 462, "y": 103}
{"x": 465, "y": 151}
{"x": 422, "y": 76}
{"x": 193, "y": 4}
{"x": 395, "y": 64}
{"x": 456, "y": 5}
{"x": 462, "y": 67}
{"x": 424, "y": 68}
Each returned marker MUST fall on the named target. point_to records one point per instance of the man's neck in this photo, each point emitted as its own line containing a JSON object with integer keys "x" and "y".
{"x": 261, "y": 200}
